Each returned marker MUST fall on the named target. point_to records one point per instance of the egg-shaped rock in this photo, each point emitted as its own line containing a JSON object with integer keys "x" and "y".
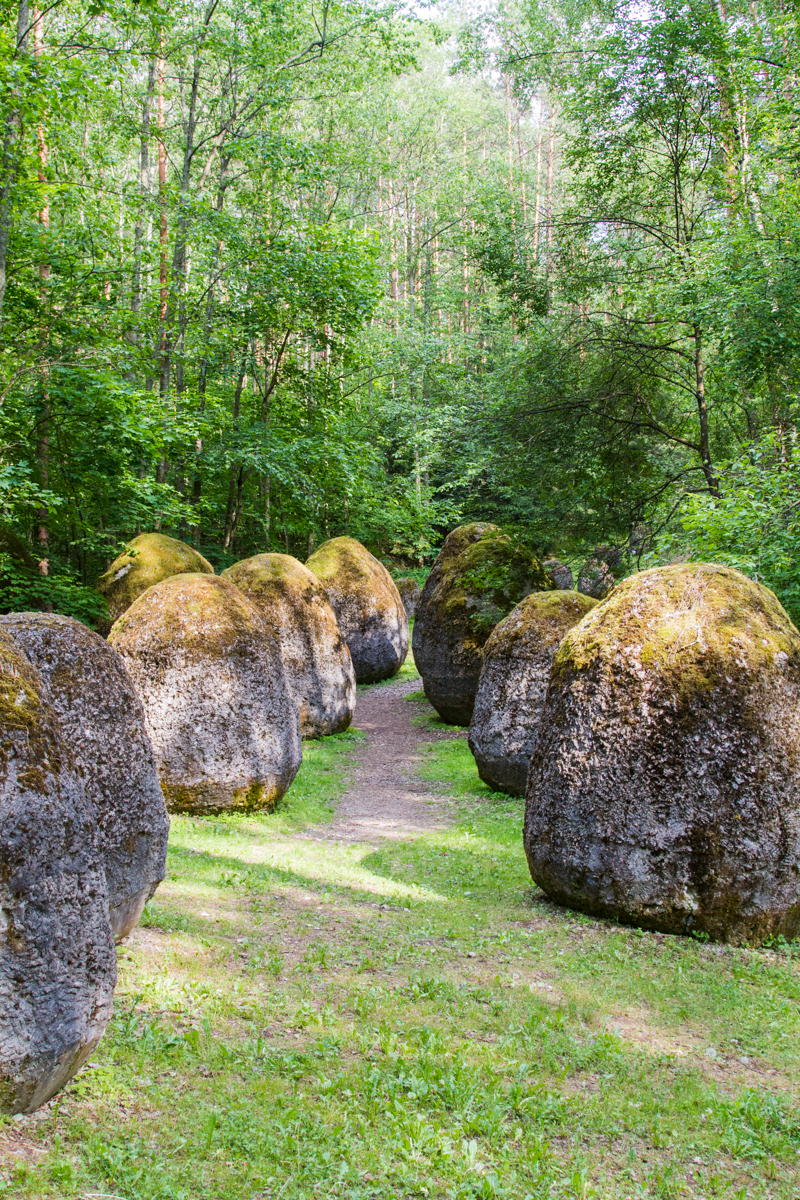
{"x": 367, "y": 604}
{"x": 478, "y": 577}
{"x": 513, "y": 682}
{"x": 57, "y": 959}
{"x": 295, "y": 606}
{"x": 664, "y": 788}
{"x": 146, "y": 560}
{"x": 102, "y": 722}
{"x": 209, "y": 673}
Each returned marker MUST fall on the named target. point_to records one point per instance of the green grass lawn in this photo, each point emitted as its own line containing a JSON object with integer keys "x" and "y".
{"x": 300, "y": 1018}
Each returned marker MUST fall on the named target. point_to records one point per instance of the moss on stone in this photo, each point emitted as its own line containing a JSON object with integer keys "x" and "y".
{"x": 367, "y": 604}
{"x": 147, "y": 560}
{"x": 694, "y": 624}
{"x": 543, "y": 617}
{"x": 485, "y": 580}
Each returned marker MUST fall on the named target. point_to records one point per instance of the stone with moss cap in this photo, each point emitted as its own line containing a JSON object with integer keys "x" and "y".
{"x": 209, "y": 672}
{"x": 664, "y": 790}
{"x": 146, "y": 560}
{"x": 513, "y": 683}
{"x": 319, "y": 669}
{"x": 57, "y": 959}
{"x": 367, "y": 604}
{"x": 479, "y": 575}
{"x": 102, "y": 721}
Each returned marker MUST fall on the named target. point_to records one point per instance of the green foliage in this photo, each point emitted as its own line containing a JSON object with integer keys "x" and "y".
{"x": 755, "y": 524}
{"x": 25, "y": 590}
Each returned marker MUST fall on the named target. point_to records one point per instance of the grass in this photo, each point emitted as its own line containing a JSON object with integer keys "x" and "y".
{"x": 300, "y": 1018}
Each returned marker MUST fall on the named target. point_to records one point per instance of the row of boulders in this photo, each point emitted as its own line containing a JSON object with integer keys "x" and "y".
{"x": 234, "y": 670}
{"x": 655, "y": 735}
{"x": 200, "y": 695}
{"x": 83, "y": 846}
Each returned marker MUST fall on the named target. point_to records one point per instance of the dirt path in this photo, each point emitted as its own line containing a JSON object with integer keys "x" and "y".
{"x": 385, "y": 798}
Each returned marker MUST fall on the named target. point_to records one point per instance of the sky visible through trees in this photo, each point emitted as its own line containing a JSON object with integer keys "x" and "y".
{"x": 274, "y": 272}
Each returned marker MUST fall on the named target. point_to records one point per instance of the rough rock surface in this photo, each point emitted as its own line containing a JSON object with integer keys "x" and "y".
{"x": 477, "y": 578}
{"x": 664, "y": 789}
{"x": 561, "y": 573}
{"x": 596, "y": 576}
{"x": 209, "y": 672}
{"x": 513, "y": 683}
{"x": 367, "y": 604}
{"x": 57, "y": 960}
{"x": 319, "y": 670}
{"x": 102, "y": 721}
{"x": 410, "y": 593}
{"x": 155, "y": 557}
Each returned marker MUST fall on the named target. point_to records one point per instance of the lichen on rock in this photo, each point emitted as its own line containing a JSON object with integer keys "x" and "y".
{"x": 367, "y": 604}
{"x": 664, "y": 789}
{"x": 146, "y": 560}
{"x": 513, "y": 682}
{"x": 478, "y": 577}
{"x": 295, "y": 606}
{"x": 102, "y": 722}
{"x": 209, "y": 672}
{"x": 57, "y": 958}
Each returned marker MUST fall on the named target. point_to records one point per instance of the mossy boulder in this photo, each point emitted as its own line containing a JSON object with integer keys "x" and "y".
{"x": 57, "y": 959}
{"x": 561, "y": 574}
{"x": 295, "y": 606}
{"x": 664, "y": 789}
{"x": 410, "y": 593}
{"x": 478, "y": 577}
{"x": 102, "y": 722}
{"x": 513, "y": 683}
{"x": 209, "y": 673}
{"x": 146, "y": 560}
{"x": 367, "y": 604}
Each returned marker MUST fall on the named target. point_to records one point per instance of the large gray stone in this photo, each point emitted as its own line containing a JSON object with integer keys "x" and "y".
{"x": 225, "y": 730}
{"x": 513, "y": 683}
{"x": 102, "y": 721}
{"x": 295, "y": 606}
{"x": 664, "y": 788}
{"x": 410, "y": 593}
{"x": 478, "y": 577}
{"x": 57, "y": 959}
{"x": 367, "y": 604}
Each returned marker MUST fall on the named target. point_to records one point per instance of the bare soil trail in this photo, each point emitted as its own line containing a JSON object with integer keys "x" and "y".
{"x": 385, "y": 798}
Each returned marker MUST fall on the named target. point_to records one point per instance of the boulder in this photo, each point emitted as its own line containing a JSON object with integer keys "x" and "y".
{"x": 146, "y": 560}
{"x": 478, "y": 577}
{"x": 596, "y": 576}
{"x": 367, "y": 604}
{"x": 410, "y": 593}
{"x": 209, "y": 673}
{"x": 513, "y": 683}
{"x": 102, "y": 722}
{"x": 319, "y": 670}
{"x": 561, "y": 573}
{"x": 664, "y": 789}
{"x": 57, "y": 959}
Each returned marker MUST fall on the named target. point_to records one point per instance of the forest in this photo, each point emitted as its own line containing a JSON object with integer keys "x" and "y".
{"x": 399, "y": 600}
{"x": 271, "y": 273}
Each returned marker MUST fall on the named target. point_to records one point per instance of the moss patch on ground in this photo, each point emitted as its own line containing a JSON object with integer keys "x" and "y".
{"x": 300, "y": 1018}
